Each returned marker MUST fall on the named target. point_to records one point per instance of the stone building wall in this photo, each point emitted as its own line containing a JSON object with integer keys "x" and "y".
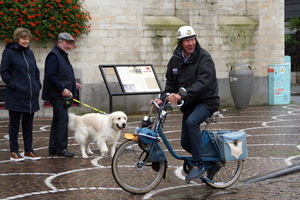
{"x": 144, "y": 32}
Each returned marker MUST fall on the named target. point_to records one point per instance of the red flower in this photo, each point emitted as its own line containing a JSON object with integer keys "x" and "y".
{"x": 30, "y": 13}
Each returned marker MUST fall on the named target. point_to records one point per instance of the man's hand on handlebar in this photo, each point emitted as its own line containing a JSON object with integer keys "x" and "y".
{"x": 158, "y": 101}
{"x": 174, "y": 99}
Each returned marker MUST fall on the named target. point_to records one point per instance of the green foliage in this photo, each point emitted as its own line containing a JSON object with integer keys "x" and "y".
{"x": 44, "y": 18}
{"x": 293, "y": 23}
{"x": 290, "y": 40}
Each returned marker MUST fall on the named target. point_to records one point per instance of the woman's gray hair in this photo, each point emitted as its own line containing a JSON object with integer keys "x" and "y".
{"x": 21, "y": 32}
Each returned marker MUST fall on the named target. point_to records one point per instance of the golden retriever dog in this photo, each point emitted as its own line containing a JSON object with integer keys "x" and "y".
{"x": 102, "y": 129}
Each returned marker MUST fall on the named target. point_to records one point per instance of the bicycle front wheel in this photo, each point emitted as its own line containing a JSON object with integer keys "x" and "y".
{"x": 224, "y": 173}
{"x": 132, "y": 173}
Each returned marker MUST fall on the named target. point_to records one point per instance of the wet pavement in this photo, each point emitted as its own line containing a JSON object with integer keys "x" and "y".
{"x": 273, "y": 142}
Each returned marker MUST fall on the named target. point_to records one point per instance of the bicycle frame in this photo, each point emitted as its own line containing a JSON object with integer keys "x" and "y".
{"x": 158, "y": 130}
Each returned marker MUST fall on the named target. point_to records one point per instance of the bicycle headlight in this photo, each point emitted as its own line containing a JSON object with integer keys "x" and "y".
{"x": 146, "y": 122}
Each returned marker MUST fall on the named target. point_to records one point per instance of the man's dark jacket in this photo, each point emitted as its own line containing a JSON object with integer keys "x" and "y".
{"x": 197, "y": 75}
{"x": 22, "y": 77}
{"x": 59, "y": 75}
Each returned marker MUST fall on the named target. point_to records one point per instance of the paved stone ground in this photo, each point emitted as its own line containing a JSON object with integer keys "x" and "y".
{"x": 273, "y": 143}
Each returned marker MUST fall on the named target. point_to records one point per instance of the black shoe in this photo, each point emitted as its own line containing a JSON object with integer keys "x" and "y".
{"x": 65, "y": 153}
{"x": 52, "y": 153}
{"x": 196, "y": 172}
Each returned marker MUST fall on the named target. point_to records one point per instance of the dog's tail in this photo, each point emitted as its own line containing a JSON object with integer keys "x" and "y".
{"x": 72, "y": 121}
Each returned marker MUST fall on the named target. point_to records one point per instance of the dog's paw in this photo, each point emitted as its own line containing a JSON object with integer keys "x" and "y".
{"x": 90, "y": 152}
{"x": 104, "y": 154}
{"x": 85, "y": 156}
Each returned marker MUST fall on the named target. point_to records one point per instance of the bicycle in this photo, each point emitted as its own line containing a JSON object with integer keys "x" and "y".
{"x": 139, "y": 164}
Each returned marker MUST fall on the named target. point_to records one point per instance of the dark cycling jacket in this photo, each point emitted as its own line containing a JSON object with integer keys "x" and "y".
{"x": 197, "y": 75}
{"x": 22, "y": 77}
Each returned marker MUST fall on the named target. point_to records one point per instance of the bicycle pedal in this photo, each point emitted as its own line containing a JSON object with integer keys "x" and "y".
{"x": 187, "y": 180}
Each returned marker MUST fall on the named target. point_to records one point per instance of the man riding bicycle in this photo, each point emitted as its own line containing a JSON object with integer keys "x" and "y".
{"x": 192, "y": 67}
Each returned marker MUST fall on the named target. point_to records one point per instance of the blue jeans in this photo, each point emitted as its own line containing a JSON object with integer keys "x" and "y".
{"x": 191, "y": 137}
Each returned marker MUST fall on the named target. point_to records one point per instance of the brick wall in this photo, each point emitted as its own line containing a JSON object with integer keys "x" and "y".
{"x": 233, "y": 31}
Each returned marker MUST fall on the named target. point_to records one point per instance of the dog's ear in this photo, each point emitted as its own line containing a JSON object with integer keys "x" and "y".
{"x": 111, "y": 118}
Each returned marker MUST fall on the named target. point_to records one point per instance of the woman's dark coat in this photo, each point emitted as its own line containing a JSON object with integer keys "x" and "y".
{"x": 22, "y": 77}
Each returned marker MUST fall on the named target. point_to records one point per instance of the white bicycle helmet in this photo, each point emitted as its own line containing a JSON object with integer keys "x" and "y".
{"x": 185, "y": 32}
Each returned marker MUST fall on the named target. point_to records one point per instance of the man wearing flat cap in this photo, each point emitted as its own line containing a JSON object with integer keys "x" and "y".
{"x": 59, "y": 88}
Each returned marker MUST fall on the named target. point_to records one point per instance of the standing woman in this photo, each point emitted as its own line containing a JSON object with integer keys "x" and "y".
{"x": 22, "y": 77}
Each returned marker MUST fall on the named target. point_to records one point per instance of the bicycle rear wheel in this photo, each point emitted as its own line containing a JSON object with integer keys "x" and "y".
{"x": 224, "y": 174}
{"x": 130, "y": 171}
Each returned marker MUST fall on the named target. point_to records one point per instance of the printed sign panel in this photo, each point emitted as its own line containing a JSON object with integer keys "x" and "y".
{"x": 138, "y": 79}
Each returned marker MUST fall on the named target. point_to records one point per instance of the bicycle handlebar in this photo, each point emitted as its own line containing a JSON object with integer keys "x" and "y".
{"x": 162, "y": 108}
{"x": 155, "y": 103}
{"x": 181, "y": 102}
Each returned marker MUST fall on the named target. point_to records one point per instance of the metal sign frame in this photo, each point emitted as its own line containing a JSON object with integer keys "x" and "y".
{"x": 138, "y": 77}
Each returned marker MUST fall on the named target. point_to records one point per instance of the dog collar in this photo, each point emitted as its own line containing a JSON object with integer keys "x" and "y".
{"x": 114, "y": 128}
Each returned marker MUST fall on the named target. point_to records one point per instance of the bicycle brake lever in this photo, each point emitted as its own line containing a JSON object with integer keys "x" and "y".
{"x": 181, "y": 103}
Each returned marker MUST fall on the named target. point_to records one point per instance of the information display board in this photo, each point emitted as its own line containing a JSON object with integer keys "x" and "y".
{"x": 138, "y": 79}
{"x": 132, "y": 80}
